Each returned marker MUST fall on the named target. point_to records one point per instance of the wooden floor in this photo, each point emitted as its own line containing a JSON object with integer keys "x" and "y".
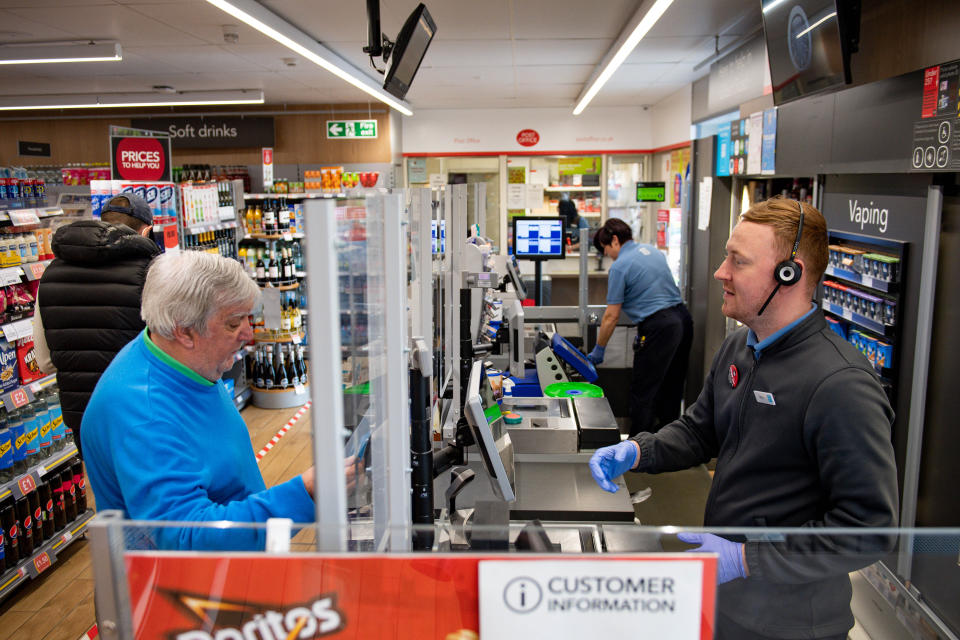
{"x": 59, "y": 604}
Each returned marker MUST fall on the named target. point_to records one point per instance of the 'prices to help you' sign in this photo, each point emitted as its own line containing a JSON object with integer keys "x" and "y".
{"x": 140, "y": 158}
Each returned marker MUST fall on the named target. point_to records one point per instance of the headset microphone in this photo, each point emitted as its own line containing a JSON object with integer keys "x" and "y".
{"x": 789, "y": 271}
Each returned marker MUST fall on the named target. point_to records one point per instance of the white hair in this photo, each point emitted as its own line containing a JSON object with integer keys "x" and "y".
{"x": 185, "y": 289}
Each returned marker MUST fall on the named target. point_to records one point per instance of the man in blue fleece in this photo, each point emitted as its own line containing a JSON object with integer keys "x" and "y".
{"x": 161, "y": 435}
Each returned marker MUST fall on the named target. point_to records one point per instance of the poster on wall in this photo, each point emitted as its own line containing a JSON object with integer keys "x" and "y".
{"x": 754, "y": 143}
{"x": 723, "y": 150}
{"x": 768, "y": 151}
{"x": 936, "y": 136}
{"x": 417, "y": 170}
{"x": 139, "y": 154}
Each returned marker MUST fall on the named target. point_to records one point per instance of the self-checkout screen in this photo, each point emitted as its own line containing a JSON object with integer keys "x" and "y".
{"x": 538, "y": 238}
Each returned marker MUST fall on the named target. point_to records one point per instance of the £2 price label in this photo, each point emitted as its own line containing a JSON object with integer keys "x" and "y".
{"x": 19, "y": 398}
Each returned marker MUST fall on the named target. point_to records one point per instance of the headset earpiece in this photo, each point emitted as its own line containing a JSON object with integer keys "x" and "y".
{"x": 789, "y": 271}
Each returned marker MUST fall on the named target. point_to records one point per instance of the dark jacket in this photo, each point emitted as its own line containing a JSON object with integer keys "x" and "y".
{"x": 89, "y": 301}
{"x": 818, "y": 456}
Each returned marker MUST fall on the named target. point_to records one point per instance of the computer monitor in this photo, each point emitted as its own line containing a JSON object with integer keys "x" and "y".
{"x": 489, "y": 432}
{"x": 538, "y": 238}
{"x": 513, "y": 272}
{"x": 412, "y": 42}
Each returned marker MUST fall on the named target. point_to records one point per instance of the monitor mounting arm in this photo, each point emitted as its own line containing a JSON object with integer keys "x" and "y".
{"x": 378, "y": 44}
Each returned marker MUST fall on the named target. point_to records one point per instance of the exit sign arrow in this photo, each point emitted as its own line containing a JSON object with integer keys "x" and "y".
{"x": 335, "y": 130}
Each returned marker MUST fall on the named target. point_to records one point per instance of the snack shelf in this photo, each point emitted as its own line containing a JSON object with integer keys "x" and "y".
{"x": 25, "y": 393}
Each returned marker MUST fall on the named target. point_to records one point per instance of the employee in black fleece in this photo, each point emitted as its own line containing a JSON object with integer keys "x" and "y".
{"x": 88, "y": 303}
{"x": 800, "y": 428}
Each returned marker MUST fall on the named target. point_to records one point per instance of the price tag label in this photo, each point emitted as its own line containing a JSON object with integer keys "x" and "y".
{"x": 42, "y": 562}
{"x": 847, "y": 315}
{"x": 18, "y": 329}
{"x": 867, "y": 281}
{"x": 19, "y": 397}
{"x": 67, "y": 536}
{"x": 9, "y": 276}
{"x": 297, "y": 339}
{"x": 287, "y": 236}
{"x": 21, "y": 572}
{"x": 299, "y": 389}
{"x": 26, "y": 484}
{"x": 37, "y": 269}
{"x": 24, "y": 217}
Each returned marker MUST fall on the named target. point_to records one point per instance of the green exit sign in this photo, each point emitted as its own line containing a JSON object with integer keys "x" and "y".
{"x": 351, "y": 128}
{"x": 651, "y": 191}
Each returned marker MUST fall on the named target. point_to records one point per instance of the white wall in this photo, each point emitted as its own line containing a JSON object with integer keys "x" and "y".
{"x": 448, "y": 131}
{"x": 671, "y": 118}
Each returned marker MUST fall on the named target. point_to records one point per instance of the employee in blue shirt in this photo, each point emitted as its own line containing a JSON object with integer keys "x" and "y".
{"x": 574, "y": 221}
{"x": 641, "y": 285}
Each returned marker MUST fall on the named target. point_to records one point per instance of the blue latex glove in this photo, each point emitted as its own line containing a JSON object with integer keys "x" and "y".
{"x": 611, "y": 462}
{"x": 730, "y": 554}
{"x": 596, "y": 356}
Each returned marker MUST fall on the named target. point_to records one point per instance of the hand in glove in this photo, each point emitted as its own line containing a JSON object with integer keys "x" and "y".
{"x": 730, "y": 561}
{"x": 613, "y": 461}
{"x": 596, "y": 356}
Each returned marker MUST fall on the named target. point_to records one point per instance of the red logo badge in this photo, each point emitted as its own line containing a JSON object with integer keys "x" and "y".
{"x": 733, "y": 376}
{"x": 528, "y": 137}
{"x": 140, "y": 159}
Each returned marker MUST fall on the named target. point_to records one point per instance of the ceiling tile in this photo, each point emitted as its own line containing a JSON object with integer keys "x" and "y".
{"x": 109, "y": 22}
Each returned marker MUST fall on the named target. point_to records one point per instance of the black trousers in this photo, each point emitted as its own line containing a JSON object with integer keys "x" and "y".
{"x": 661, "y": 352}
{"x": 727, "y": 629}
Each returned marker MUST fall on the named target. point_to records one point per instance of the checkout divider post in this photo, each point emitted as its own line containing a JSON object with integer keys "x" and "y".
{"x": 326, "y": 393}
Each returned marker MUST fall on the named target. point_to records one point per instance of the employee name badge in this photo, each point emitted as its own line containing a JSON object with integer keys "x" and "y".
{"x": 765, "y": 397}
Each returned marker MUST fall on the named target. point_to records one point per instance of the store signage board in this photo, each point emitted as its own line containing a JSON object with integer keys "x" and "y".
{"x": 723, "y": 151}
{"x": 214, "y": 132}
{"x": 657, "y": 596}
{"x": 345, "y": 129}
{"x": 879, "y": 216}
{"x": 936, "y": 136}
{"x": 579, "y": 166}
{"x": 38, "y": 149}
{"x": 266, "y": 156}
{"x": 651, "y": 191}
{"x": 139, "y": 155}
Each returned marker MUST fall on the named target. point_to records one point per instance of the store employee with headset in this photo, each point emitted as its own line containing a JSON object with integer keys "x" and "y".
{"x": 800, "y": 428}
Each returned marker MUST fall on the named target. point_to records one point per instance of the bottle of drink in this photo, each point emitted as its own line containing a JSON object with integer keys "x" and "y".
{"x": 56, "y": 420}
{"x": 258, "y": 369}
{"x": 283, "y": 216}
{"x": 59, "y": 505}
{"x": 269, "y": 217}
{"x": 25, "y": 526}
{"x": 79, "y": 487}
{"x": 269, "y": 377}
{"x": 273, "y": 269}
{"x": 248, "y": 219}
{"x": 257, "y": 219}
{"x": 8, "y": 520}
{"x": 279, "y": 381}
{"x": 291, "y": 367}
{"x": 15, "y": 422}
{"x": 285, "y": 326}
{"x": 297, "y": 255}
{"x": 31, "y": 431}
{"x": 6, "y": 449}
{"x": 44, "y": 425}
{"x": 69, "y": 494}
{"x": 261, "y": 269}
{"x": 46, "y": 507}
{"x": 282, "y": 374}
{"x": 36, "y": 516}
{"x": 301, "y": 367}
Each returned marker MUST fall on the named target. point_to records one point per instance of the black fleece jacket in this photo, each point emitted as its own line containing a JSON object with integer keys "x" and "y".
{"x": 89, "y": 300}
{"x": 818, "y": 454}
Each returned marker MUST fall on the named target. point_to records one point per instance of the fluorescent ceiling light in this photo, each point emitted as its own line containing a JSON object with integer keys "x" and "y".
{"x": 815, "y": 25}
{"x": 53, "y": 53}
{"x": 115, "y": 100}
{"x": 773, "y": 5}
{"x": 645, "y": 17}
{"x": 273, "y": 26}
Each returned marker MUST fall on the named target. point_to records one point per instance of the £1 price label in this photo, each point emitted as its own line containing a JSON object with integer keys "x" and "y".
{"x": 26, "y": 484}
{"x": 19, "y": 398}
{"x": 42, "y": 562}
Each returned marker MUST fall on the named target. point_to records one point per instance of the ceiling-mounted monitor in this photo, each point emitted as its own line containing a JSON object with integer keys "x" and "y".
{"x": 809, "y": 43}
{"x": 408, "y": 51}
